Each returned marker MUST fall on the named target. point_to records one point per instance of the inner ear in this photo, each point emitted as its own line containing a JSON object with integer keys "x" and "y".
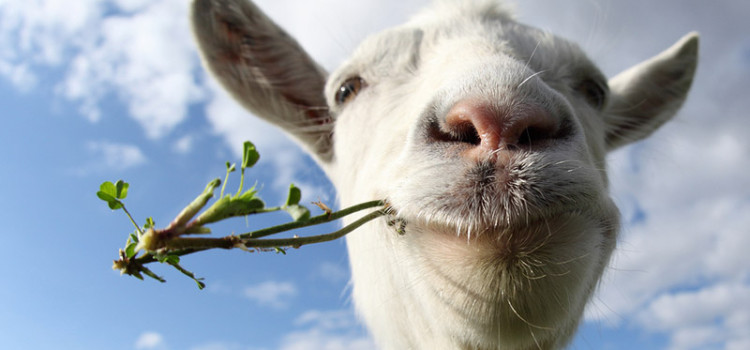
{"x": 265, "y": 70}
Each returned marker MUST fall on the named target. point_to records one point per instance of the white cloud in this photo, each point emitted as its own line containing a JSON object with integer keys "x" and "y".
{"x": 331, "y": 29}
{"x": 314, "y": 330}
{"x": 690, "y": 184}
{"x": 713, "y": 317}
{"x": 327, "y": 330}
{"x": 141, "y": 52}
{"x": 184, "y": 144}
{"x": 334, "y": 273}
{"x": 680, "y": 269}
{"x": 147, "y": 59}
{"x": 18, "y": 74}
{"x": 150, "y": 340}
{"x": 116, "y": 156}
{"x": 271, "y": 293}
{"x": 44, "y": 30}
{"x": 235, "y": 125}
{"x": 223, "y": 346}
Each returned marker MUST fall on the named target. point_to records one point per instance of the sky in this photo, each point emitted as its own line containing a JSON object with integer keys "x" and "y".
{"x": 95, "y": 90}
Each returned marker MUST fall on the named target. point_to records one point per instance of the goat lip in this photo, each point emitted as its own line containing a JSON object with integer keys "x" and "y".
{"x": 506, "y": 241}
{"x": 470, "y": 225}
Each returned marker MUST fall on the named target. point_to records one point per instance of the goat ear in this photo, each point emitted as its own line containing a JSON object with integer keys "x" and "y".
{"x": 649, "y": 94}
{"x": 265, "y": 69}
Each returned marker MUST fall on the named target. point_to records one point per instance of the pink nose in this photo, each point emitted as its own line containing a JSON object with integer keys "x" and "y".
{"x": 491, "y": 128}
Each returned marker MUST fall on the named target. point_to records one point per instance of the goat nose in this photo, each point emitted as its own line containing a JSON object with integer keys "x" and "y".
{"x": 490, "y": 128}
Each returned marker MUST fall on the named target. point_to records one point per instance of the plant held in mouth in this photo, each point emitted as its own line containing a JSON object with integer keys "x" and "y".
{"x": 186, "y": 234}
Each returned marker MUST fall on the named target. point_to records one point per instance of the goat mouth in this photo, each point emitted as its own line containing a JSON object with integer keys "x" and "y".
{"x": 471, "y": 228}
{"x": 494, "y": 198}
{"x": 549, "y": 241}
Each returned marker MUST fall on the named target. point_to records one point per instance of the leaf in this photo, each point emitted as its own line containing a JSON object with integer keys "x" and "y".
{"x": 108, "y": 188}
{"x": 196, "y": 205}
{"x": 105, "y": 196}
{"x": 230, "y": 168}
{"x": 130, "y": 250}
{"x": 250, "y": 155}
{"x": 248, "y": 195}
{"x": 149, "y": 273}
{"x": 108, "y": 193}
{"x": 280, "y": 250}
{"x": 173, "y": 259}
{"x": 114, "y": 205}
{"x": 122, "y": 189}
{"x": 229, "y": 206}
{"x": 297, "y": 212}
{"x": 149, "y": 223}
{"x": 167, "y": 258}
{"x": 295, "y": 195}
{"x": 197, "y": 280}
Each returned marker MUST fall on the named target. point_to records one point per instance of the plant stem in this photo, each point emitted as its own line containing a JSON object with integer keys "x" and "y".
{"x": 297, "y": 242}
{"x": 224, "y": 185}
{"x": 315, "y": 220}
{"x": 181, "y": 246}
{"x": 131, "y": 218}
{"x": 242, "y": 180}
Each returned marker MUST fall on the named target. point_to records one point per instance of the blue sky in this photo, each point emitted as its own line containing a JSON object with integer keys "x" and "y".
{"x": 96, "y": 90}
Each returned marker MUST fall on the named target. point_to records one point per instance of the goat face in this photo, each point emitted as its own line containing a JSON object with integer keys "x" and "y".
{"x": 487, "y": 137}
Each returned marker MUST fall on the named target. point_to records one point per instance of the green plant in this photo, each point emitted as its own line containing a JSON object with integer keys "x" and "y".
{"x": 184, "y": 235}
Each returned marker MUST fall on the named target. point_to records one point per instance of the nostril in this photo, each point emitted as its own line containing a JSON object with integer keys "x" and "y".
{"x": 488, "y": 128}
{"x": 531, "y": 135}
{"x": 464, "y": 132}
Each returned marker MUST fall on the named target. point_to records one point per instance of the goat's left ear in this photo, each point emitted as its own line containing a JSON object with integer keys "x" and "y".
{"x": 649, "y": 94}
{"x": 265, "y": 69}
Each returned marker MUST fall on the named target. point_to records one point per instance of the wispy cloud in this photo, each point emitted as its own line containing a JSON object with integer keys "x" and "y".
{"x": 235, "y": 125}
{"x": 314, "y": 330}
{"x": 334, "y": 273}
{"x": 43, "y": 31}
{"x": 149, "y": 341}
{"x": 271, "y": 293}
{"x": 184, "y": 144}
{"x": 18, "y": 74}
{"x": 146, "y": 57}
{"x": 115, "y": 156}
{"x": 105, "y": 156}
{"x": 715, "y": 316}
{"x": 142, "y": 52}
{"x": 327, "y": 330}
{"x": 223, "y": 346}
{"x": 680, "y": 265}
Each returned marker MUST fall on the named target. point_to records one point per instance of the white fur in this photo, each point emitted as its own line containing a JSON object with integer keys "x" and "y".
{"x": 501, "y": 249}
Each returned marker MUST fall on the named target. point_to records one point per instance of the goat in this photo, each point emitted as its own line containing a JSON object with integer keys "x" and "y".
{"x": 488, "y": 139}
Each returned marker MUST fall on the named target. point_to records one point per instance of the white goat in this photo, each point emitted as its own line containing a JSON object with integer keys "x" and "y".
{"x": 488, "y": 138}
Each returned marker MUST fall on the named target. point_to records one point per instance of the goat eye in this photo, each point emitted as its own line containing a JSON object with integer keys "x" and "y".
{"x": 594, "y": 92}
{"x": 349, "y": 90}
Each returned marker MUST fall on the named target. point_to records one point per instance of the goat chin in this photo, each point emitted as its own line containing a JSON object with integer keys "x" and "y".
{"x": 488, "y": 137}
{"x": 499, "y": 290}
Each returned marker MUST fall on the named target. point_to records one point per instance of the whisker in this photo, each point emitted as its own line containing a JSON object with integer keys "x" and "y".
{"x": 530, "y": 77}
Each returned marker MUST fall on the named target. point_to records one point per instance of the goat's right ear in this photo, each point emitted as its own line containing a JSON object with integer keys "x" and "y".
{"x": 265, "y": 69}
